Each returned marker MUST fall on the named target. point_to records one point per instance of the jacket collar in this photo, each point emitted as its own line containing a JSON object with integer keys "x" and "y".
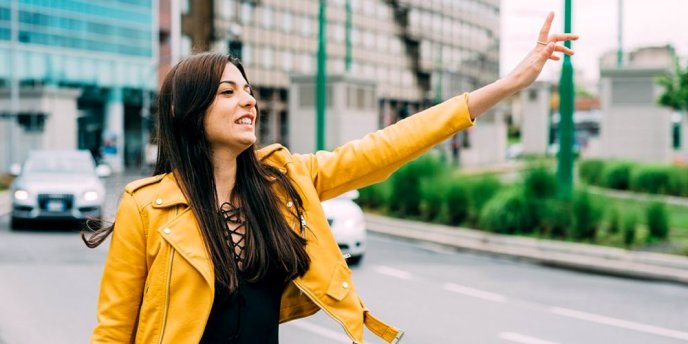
{"x": 169, "y": 193}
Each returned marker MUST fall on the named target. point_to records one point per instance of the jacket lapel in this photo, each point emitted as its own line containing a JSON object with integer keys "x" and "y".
{"x": 182, "y": 231}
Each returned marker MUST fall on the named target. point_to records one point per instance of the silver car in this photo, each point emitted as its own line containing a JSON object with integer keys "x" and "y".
{"x": 57, "y": 185}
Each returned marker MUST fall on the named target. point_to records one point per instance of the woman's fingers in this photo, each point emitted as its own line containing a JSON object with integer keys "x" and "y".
{"x": 563, "y": 49}
{"x": 554, "y": 58}
{"x": 562, "y": 37}
{"x": 544, "y": 32}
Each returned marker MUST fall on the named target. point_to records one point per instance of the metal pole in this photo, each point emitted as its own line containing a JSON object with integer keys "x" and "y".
{"x": 347, "y": 60}
{"x": 321, "y": 82}
{"x": 566, "y": 107}
{"x": 14, "y": 82}
{"x": 619, "y": 52}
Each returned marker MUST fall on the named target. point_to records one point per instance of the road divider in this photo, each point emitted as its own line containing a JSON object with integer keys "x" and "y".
{"x": 520, "y": 338}
{"x": 582, "y": 257}
{"x": 485, "y": 295}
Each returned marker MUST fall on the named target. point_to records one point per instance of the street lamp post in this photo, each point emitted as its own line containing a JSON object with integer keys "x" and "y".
{"x": 566, "y": 107}
{"x": 321, "y": 82}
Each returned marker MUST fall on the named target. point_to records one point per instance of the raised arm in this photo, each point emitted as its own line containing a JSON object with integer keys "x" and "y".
{"x": 524, "y": 74}
{"x": 373, "y": 158}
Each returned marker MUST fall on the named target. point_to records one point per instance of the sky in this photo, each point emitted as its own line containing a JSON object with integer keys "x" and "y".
{"x": 646, "y": 23}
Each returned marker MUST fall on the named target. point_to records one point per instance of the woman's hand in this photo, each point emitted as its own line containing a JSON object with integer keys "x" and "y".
{"x": 524, "y": 74}
{"x": 528, "y": 70}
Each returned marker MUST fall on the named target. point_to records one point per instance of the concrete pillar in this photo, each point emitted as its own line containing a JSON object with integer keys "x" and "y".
{"x": 535, "y": 102}
{"x": 113, "y": 136}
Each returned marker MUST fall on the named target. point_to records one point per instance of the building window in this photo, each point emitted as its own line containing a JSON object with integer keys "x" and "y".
{"x": 306, "y": 26}
{"x": 286, "y": 22}
{"x": 339, "y": 32}
{"x": 184, "y": 6}
{"x": 247, "y": 53}
{"x": 246, "y": 13}
{"x": 186, "y": 47}
{"x": 287, "y": 60}
{"x": 267, "y": 17}
{"x": 226, "y": 8}
{"x": 268, "y": 57}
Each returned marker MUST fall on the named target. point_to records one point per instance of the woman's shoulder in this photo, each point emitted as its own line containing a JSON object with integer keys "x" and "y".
{"x": 274, "y": 154}
{"x": 143, "y": 182}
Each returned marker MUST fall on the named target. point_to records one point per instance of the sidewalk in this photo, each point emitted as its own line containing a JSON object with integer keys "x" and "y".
{"x": 583, "y": 257}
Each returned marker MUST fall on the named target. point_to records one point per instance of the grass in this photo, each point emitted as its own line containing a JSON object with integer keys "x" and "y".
{"x": 678, "y": 222}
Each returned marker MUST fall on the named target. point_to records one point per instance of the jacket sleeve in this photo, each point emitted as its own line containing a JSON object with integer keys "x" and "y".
{"x": 124, "y": 276}
{"x": 376, "y": 156}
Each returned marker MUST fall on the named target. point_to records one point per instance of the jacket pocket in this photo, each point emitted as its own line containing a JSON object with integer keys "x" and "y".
{"x": 340, "y": 284}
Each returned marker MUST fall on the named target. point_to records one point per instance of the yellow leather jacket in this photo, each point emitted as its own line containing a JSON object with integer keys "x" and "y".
{"x": 158, "y": 282}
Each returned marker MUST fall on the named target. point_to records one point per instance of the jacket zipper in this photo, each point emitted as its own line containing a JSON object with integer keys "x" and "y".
{"x": 167, "y": 295}
{"x": 317, "y": 302}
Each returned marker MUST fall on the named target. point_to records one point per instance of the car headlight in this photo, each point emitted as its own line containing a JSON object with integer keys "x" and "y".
{"x": 90, "y": 196}
{"x": 21, "y": 195}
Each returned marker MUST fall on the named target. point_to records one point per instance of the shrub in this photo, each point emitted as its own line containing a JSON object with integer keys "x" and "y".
{"x": 375, "y": 196}
{"x": 614, "y": 221}
{"x": 591, "y": 171}
{"x": 657, "y": 221}
{"x": 480, "y": 191}
{"x": 651, "y": 179}
{"x": 457, "y": 202}
{"x": 508, "y": 212}
{"x": 617, "y": 175}
{"x": 539, "y": 183}
{"x": 405, "y": 197}
{"x": 629, "y": 229}
{"x": 433, "y": 194}
{"x": 585, "y": 217}
{"x": 678, "y": 181}
{"x": 554, "y": 217}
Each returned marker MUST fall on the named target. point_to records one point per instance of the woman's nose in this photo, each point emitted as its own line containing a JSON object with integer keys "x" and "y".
{"x": 248, "y": 100}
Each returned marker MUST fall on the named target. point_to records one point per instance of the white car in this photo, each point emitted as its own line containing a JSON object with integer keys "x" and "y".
{"x": 348, "y": 225}
{"x": 57, "y": 185}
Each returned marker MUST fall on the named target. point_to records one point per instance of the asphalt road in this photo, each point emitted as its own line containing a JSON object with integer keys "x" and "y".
{"x": 49, "y": 285}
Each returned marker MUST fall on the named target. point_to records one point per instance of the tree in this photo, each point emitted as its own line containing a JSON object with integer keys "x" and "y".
{"x": 675, "y": 86}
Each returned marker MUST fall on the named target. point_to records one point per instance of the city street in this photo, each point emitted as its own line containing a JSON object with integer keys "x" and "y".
{"x": 49, "y": 287}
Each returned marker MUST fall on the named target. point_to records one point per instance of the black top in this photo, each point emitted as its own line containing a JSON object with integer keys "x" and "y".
{"x": 251, "y": 315}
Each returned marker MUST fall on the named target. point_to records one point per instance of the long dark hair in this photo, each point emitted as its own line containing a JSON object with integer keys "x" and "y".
{"x": 187, "y": 92}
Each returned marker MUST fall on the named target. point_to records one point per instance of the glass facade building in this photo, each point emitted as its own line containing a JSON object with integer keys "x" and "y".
{"x": 105, "y": 49}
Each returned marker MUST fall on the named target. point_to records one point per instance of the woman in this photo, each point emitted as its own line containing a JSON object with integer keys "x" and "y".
{"x": 227, "y": 241}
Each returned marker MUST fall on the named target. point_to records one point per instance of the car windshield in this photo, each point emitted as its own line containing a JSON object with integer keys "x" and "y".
{"x": 56, "y": 164}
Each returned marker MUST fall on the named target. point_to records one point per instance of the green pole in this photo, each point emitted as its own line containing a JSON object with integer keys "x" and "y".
{"x": 566, "y": 104}
{"x": 619, "y": 51}
{"x": 321, "y": 82}
{"x": 347, "y": 60}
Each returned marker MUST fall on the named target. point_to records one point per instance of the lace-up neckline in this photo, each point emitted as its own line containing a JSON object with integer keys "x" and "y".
{"x": 235, "y": 238}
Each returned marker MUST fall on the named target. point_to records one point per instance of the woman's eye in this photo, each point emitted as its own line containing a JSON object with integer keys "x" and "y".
{"x": 227, "y": 92}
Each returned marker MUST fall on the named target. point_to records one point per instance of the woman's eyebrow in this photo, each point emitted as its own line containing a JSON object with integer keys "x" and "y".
{"x": 231, "y": 83}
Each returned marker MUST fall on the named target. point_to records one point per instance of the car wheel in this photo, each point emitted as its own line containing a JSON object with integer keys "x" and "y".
{"x": 354, "y": 260}
{"x": 16, "y": 223}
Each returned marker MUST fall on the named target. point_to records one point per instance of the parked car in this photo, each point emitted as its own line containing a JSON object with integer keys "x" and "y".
{"x": 348, "y": 225}
{"x": 57, "y": 185}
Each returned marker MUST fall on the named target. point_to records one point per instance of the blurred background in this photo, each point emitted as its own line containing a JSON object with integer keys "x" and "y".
{"x": 585, "y": 170}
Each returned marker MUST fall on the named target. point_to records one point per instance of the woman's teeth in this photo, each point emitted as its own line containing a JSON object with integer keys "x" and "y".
{"x": 244, "y": 120}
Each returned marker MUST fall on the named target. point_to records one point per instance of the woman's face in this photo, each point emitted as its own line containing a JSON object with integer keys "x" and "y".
{"x": 230, "y": 119}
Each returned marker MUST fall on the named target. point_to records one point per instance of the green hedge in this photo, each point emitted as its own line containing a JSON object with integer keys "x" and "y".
{"x": 647, "y": 178}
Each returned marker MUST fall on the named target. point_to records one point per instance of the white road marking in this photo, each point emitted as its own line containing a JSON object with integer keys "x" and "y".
{"x": 474, "y": 292}
{"x": 322, "y": 331}
{"x": 520, "y": 338}
{"x": 386, "y": 270}
{"x": 630, "y": 325}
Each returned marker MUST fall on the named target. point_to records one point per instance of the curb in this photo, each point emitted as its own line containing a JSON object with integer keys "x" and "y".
{"x": 583, "y": 257}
